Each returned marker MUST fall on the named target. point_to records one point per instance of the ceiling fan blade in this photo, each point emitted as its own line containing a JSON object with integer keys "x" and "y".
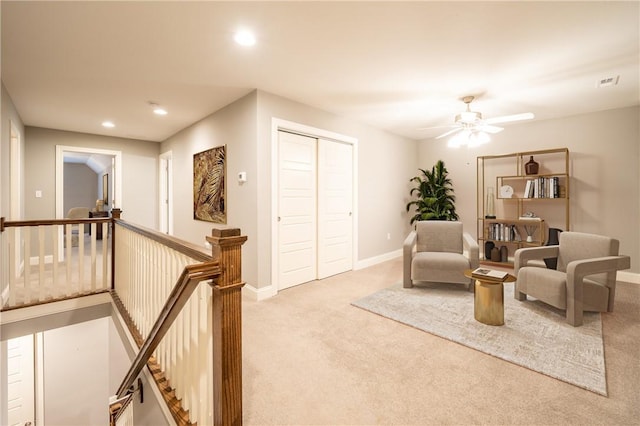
{"x": 510, "y": 118}
{"x": 457, "y": 129}
{"x": 490, "y": 129}
{"x": 435, "y": 127}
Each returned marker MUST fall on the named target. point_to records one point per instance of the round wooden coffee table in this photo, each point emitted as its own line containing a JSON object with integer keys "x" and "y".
{"x": 488, "y": 301}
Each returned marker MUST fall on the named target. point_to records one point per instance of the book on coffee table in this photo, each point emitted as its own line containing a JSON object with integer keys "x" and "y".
{"x": 489, "y": 274}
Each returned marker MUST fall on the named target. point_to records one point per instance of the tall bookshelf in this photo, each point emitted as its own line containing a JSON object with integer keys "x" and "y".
{"x": 545, "y": 194}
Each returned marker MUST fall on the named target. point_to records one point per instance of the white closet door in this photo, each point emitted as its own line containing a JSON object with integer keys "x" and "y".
{"x": 20, "y": 381}
{"x": 297, "y": 210}
{"x": 335, "y": 207}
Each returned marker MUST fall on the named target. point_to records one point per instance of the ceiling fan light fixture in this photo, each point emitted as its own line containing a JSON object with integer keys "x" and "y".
{"x": 468, "y": 117}
{"x": 459, "y": 139}
{"x": 478, "y": 138}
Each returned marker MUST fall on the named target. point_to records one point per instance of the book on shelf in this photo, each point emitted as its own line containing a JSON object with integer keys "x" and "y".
{"x": 542, "y": 187}
{"x": 489, "y": 274}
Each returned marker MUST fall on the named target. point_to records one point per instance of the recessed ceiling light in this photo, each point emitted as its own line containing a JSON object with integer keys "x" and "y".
{"x": 157, "y": 109}
{"x": 244, "y": 38}
{"x": 108, "y": 124}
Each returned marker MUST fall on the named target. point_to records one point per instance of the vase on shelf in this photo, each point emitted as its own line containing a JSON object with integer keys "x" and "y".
{"x": 491, "y": 209}
{"x": 504, "y": 254}
{"x": 488, "y": 246}
{"x": 495, "y": 254}
{"x": 531, "y": 166}
{"x": 552, "y": 262}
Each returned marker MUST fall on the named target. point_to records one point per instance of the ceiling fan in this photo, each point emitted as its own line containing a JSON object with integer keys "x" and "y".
{"x": 473, "y": 126}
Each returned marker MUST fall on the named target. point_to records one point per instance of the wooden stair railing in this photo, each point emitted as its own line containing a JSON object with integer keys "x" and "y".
{"x": 191, "y": 276}
{"x": 224, "y": 271}
{"x": 48, "y": 267}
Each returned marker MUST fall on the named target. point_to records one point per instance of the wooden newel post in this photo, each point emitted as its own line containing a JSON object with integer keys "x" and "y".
{"x": 227, "y": 327}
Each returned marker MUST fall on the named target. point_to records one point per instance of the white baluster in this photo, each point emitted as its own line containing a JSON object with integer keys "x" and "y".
{"x": 13, "y": 241}
{"x": 93, "y": 257}
{"x": 55, "y": 234}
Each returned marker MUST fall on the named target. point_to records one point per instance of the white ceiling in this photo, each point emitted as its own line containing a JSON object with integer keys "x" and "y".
{"x": 399, "y": 66}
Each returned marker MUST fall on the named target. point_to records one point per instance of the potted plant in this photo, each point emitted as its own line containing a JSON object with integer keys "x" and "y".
{"x": 434, "y": 192}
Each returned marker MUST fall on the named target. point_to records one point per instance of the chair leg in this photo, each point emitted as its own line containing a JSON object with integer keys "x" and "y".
{"x": 406, "y": 282}
{"x": 574, "y": 317}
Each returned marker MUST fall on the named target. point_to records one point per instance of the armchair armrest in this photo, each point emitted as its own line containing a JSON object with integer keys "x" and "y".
{"x": 407, "y": 254}
{"x": 577, "y": 270}
{"x": 524, "y": 255}
{"x": 469, "y": 243}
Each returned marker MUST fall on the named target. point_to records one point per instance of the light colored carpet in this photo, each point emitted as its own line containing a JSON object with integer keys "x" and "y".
{"x": 535, "y": 335}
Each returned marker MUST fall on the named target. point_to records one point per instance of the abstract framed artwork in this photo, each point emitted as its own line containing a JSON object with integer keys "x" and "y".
{"x": 209, "y": 185}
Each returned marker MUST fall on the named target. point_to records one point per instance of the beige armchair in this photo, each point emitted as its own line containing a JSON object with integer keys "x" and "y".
{"x": 585, "y": 279}
{"x": 435, "y": 252}
{"x": 78, "y": 213}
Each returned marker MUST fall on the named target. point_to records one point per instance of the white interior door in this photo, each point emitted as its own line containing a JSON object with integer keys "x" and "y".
{"x": 166, "y": 193}
{"x": 297, "y": 210}
{"x": 20, "y": 381}
{"x": 335, "y": 207}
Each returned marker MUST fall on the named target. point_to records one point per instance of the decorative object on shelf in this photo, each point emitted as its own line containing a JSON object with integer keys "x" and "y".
{"x": 531, "y": 166}
{"x": 554, "y": 240}
{"x": 530, "y": 230}
{"x": 495, "y": 254}
{"x": 504, "y": 254}
{"x": 491, "y": 209}
{"x": 506, "y": 191}
{"x": 435, "y": 198}
{"x": 529, "y": 215}
{"x": 99, "y": 205}
{"x": 488, "y": 246}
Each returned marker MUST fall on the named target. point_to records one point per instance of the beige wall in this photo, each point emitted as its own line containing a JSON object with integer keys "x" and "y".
{"x": 604, "y": 165}
{"x": 139, "y": 172}
{"x": 81, "y": 186}
{"x": 233, "y": 126}
{"x": 386, "y": 164}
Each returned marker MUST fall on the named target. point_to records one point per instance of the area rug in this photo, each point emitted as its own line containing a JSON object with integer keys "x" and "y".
{"x": 535, "y": 335}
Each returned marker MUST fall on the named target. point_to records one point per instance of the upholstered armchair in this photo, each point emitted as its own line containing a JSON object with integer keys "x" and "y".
{"x": 78, "y": 213}
{"x": 439, "y": 251}
{"x": 585, "y": 279}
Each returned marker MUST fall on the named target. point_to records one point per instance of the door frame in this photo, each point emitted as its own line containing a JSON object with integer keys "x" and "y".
{"x": 165, "y": 201}
{"x": 277, "y": 125}
{"x": 117, "y": 174}
{"x": 116, "y": 164}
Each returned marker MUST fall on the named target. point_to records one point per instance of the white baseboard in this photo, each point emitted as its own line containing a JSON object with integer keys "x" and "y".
{"x": 361, "y": 264}
{"x": 628, "y": 277}
{"x": 259, "y": 294}
{"x": 263, "y": 293}
{"x": 35, "y": 260}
